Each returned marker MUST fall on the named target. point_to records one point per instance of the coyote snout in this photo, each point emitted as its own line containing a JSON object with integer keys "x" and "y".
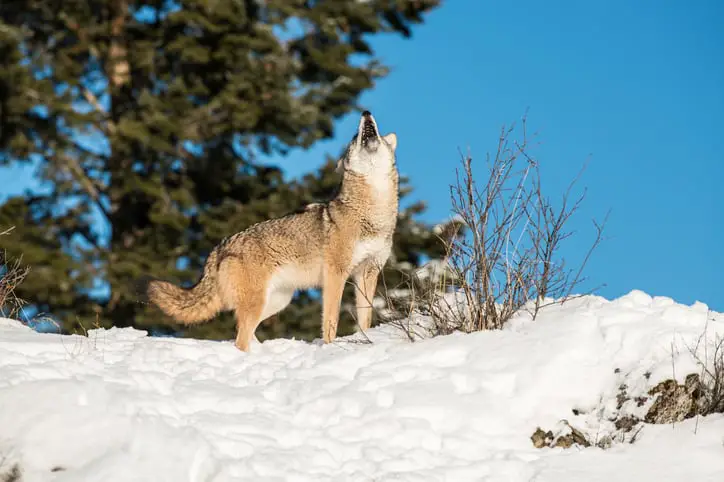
{"x": 256, "y": 272}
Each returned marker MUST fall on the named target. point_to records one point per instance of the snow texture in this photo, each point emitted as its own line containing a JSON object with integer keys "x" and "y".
{"x": 121, "y": 406}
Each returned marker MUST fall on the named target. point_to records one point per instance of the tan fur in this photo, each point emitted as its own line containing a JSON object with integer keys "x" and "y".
{"x": 256, "y": 272}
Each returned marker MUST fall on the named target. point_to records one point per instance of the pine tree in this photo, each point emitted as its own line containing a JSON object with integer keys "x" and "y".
{"x": 148, "y": 122}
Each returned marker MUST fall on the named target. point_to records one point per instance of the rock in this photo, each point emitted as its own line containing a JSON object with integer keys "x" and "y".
{"x": 626, "y": 423}
{"x": 675, "y": 402}
{"x": 575, "y": 437}
{"x": 541, "y": 439}
{"x": 566, "y": 438}
{"x": 622, "y": 396}
{"x": 605, "y": 443}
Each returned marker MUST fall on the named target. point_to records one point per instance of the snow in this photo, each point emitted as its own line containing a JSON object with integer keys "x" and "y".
{"x": 121, "y": 406}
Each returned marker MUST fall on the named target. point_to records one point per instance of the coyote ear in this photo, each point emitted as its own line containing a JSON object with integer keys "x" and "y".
{"x": 391, "y": 139}
{"x": 340, "y": 166}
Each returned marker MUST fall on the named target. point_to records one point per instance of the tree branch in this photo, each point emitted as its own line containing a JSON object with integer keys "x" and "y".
{"x": 86, "y": 183}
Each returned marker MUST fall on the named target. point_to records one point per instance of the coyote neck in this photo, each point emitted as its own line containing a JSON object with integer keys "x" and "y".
{"x": 375, "y": 189}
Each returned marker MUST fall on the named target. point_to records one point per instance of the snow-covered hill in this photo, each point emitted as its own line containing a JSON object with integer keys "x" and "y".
{"x": 121, "y": 406}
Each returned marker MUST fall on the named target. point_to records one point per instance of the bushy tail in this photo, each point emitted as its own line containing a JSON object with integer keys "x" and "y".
{"x": 188, "y": 306}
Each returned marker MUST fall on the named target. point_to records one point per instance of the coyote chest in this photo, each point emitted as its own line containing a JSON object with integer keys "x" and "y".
{"x": 371, "y": 249}
{"x": 377, "y": 225}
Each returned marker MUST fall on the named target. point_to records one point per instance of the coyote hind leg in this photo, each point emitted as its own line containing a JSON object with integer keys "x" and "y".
{"x": 243, "y": 288}
{"x": 247, "y": 320}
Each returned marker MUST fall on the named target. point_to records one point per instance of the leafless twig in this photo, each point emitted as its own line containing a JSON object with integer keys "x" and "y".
{"x": 510, "y": 251}
{"x": 12, "y": 273}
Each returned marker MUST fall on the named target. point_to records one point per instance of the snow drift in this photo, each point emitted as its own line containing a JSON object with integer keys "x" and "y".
{"x": 121, "y": 406}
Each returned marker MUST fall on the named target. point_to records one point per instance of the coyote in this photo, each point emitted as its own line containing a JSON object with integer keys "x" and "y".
{"x": 256, "y": 272}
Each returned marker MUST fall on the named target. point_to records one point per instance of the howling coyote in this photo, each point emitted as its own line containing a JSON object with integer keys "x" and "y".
{"x": 256, "y": 272}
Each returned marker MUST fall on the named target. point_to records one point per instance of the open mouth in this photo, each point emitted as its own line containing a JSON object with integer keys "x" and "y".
{"x": 368, "y": 129}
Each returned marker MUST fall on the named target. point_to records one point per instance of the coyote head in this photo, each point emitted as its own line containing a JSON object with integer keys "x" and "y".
{"x": 368, "y": 151}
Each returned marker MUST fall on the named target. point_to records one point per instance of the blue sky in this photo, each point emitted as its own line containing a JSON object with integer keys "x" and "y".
{"x": 636, "y": 86}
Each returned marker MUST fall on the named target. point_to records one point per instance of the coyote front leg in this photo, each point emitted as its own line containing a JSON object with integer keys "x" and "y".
{"x": 366, "y": 282}
{"x": 332, "y": 288}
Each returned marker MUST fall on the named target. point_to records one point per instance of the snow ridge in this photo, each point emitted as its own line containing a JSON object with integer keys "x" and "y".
{"x": 121, "y": 406}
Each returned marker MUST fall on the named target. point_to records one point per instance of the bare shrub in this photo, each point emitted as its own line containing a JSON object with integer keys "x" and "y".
{"x": 714, "y": 380}
{"x": 711, "y": 376}
{"x": 399, "y": 305}
{"x": 509, "y": 255}
{"x": 12, "y": 273}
